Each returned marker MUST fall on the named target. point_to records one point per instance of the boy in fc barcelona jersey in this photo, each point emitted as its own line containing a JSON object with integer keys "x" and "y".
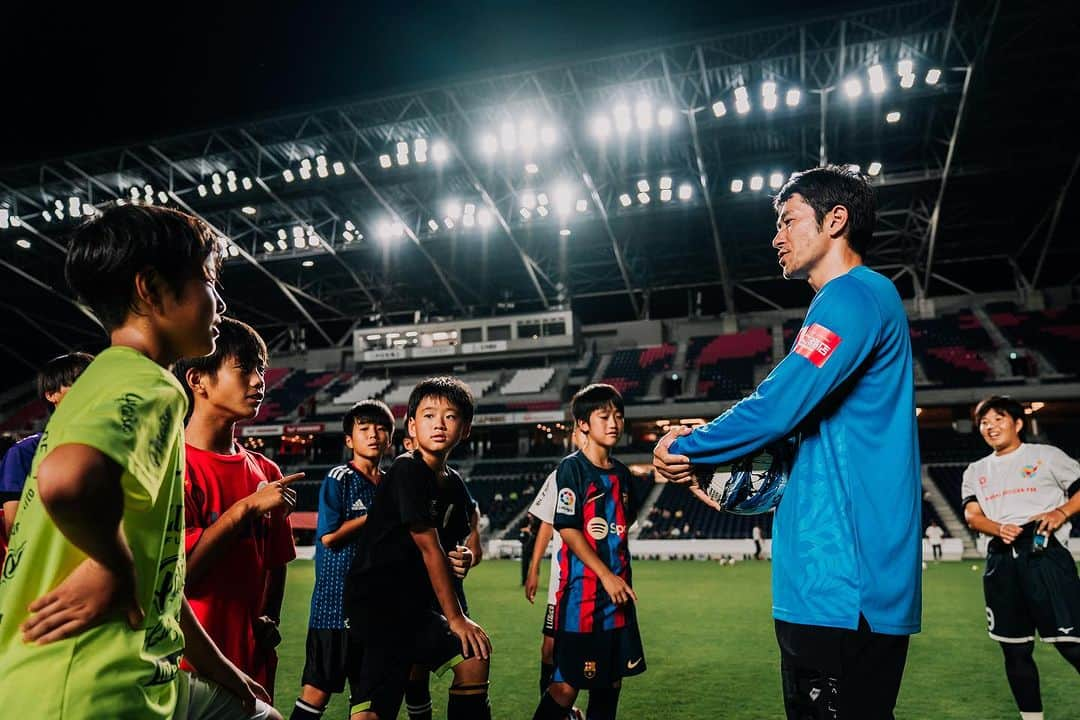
{"x": 597, "y": 642}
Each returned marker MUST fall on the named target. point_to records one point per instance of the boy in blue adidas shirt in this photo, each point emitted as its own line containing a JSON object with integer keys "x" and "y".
{"x": 847, "y": 581}
{"x": 344, "y": 499}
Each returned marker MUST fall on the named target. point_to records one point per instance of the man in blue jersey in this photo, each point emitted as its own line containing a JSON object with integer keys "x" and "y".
{"x": 345, "y": 497}
{"x": 847, "y": 586}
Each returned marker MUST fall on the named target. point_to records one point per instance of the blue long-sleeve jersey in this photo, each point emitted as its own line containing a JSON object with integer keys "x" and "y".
{"x": 846, "y": 536}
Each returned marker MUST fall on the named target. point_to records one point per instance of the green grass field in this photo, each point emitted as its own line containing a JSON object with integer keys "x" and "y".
{"x": 710, "y": 647}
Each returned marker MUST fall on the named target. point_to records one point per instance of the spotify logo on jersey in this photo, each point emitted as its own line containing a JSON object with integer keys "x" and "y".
{"x": 598, "y": 528}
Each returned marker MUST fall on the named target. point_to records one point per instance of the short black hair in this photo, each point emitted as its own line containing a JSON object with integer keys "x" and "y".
{"x": 450, "y": 389}
{"x": 1004, "y": 405}
{"x": 108, "y": 251}
{"x": 62, "y": 371}
{"x": 823, "y": 188}
{"x": 236, "y": 341}
{"x": 368, "y": 411}
{"x": 591, "y": 398}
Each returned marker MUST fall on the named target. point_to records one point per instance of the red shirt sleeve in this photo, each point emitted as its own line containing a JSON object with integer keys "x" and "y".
{"x": 195, "y": 516}
{"x": 280, "y": 548}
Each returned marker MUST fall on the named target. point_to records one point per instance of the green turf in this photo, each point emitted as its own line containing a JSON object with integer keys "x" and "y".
{"x": 710, "y": 647}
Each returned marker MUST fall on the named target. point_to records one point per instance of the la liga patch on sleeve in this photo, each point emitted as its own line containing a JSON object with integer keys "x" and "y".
{"x": 816, "y": 343}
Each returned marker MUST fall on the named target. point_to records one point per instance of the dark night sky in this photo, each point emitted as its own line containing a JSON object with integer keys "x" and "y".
{"x": 82, "y": 79}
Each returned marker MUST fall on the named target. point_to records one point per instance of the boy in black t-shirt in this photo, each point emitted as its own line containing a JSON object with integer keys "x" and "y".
{"x": 401, "y": 571}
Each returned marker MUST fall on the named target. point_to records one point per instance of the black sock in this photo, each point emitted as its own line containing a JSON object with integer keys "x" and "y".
{"x": 1071, "y": 652}
{"x": 603, "y": 702}
{"x": 548, "y": 709}
{"x": 418, "y": 699}
{"x": 306, "y": 711}
{"x": 1023, "y": 675}
{"x": 468, "y": 702}
{"x": 546, "y": 671}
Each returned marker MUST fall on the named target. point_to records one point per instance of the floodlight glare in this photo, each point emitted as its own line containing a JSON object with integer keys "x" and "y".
{"x": 528, "y": 200}
{"x": 525, "y": 214}
{"x": 402, "y": 159}
{"x": 548, "y": 135}
{"x": 907, "y": 81}
{"x": 449, "y": 223}
{"x": 736, "y": 185}
{"x": 893, "y": 117}
{"x": 509, "y": 136}
{"x": 321, "y": 171}
{"x": 877, "y": 79}
{"x": 854, "y": 168}
{"x": 665, "y": 117}
{"x": 532, "y": 168}
{"x": 769, "y": 102}
{"x": 565, "y": 232}
{"x": 792, "y": 97}
{"x": 483, "y": 218}
{"x": 233, "y": 251}
{"x": 299, "y": 242}
{"x": 665, "y": 183}
{"x": 23, "y": 243}
{"x": 542, "y": 211}
{"x": 453, "y": 209}
{"x": 624, "y": 200}
{"x": 643, "y": 112}
{"x": 776, "y": 180}
{"x": 542, "y": 198}
{"x": 601, "y": 127}
{"x": 162, "y": 196}
{"x": 768, "y": 88}
{"x": 282, "y": 245}
{"x": 248, "y": 210}
{"x": 582, "y": 205}
{"x": 470, "y": 209}
{"x": 742, "y": 100}
{"x": 853, "y": 87}
{"x": 932, "y": 76}
{"x": 439, "y": 152}
{"x": 305, "y": 174}
{"x": 349, "y": 237}
{"x": 268, "y": 246}
{"x": 643, "y": 198}
{"x": 305, "y": 163}
{"x": 905, "y": 67}
{"x": 665, "y": 195}
{"x": 489, "y": 144}
{"x": 874, "y": 170}
{"x": 622, "y": 118}
{"x": 397, "y": 229}
{"x": 527, "y": 134}
{"x": 433, "y": 225}
{"x": 643, "y": 185}
{"x": 686, "y": 190}
{"x": 420, "y": 145}
{"x": 384, "y": 162}
{"x": 203, "y": 191}
{"x": 468, "y": 221}
{"x": 563, "y": 199}
{"x": 74, "y": 204}
{"x": 756, "y": 183}
{"x": 246, "y": 182}
{"x": 282, "y": 234}
{"x": 719, "y": 109}
{"x": 349, "y": 225}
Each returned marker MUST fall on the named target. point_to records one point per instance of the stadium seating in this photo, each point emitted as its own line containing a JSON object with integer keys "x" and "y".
{"x": 285, "y": 396}
{"x": 631, "y": 370}
{"x": 27, "y": 418}
{"x": 1055, "y": 333}
{"x": 945, "y": 445}
{"x": 948, "y": 479}
{"x": 949, "y": 349}
{"x": 726, "y": 362}
{"x": 529, "y": 380}
{"x": 505, "y": 488}
{"x": 678, "y": 514}
{"x": 364, "y": 389}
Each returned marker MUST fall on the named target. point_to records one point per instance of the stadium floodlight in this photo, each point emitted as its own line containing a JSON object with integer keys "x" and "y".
{"x": 433, "y": 225}
{"x": 349, "y": 225}
{"x": 402, "y": 148}
{"x": 420, "y": 146}
{"x": 874, "y": 170}
{"x": 382, "y": 230}
{"x": 776, "y": 180}
{"x": 508, "y": 135}
{"x": 453, "y": 209}
{"x": 757, "y": 182}
{"x": 853, "y": 87}
{"x": 202, "y": 191}
{"x": 548, "y": 135}
{"x": 314, "y": 240}
{"x": 686, "y": 191}
{"x": 769, "y": 102}
{"x": 299, "y": 242}
{"x": 644, "y": 114}
{"x": 248, "y": 210}
{"x": 483, "y": 218}
{"x": 308, "y": 263}
{"x": 742, "y": 100}
{"x": 564, "y": 232}
{"x": 582, "y": 205}
{"x": 233, "y": 251}
{"x": 527, "y": 134}
{"x": 532, "y": 168}
{"x": 305, "y": 174}
{"x": 643, "y": 185}
{"x": 542, "y": 211}
{"x": 46, "y": 216}
{"x": 59, "y": 204}
{"x": 349, "y": 237}
{"x": 74, "y": 204}
{"x": 489, "y": 144}
{"x": 905, "y": 67}
{"x": 216, "y": 189}
{"x": 322, "y": 171}
{"x": 289, "y": 177}
{"x": 542, "y": 199}
{"x": 932, "y": 76}
{"x": 623, "y": 123}
{"x": 384, "y": 162}
{"x": 397, "y": 229}
{"x": 216, "y": 178}
{"x": 665, "y": 183}
{"x": 643, "y": 198}
{"x": 162, "y": 196}
{"x": 470, "y": 209}
{"x": 854, "y": 168}
{"x": 907, "y": 81}
{"x": 719, "y": 109}
{"x": 88, "y": 210}
{"x": 297, "y": 231}
{"x": 562, "y": 198}
{"x": 449, "y": 223}
{"x": 625, "y": 200}
{"x": 16, "y": 221}
{"x": 792, "y": 97}
{"x": 23, "y": 243}
{"x": 439, "y": 152}
{"x": 421, "y": 157}
{"x": 233, "y": 187}
{"x": 282, "y": 234}
{"x": 268, "y": 246}
{"x": 282, "y": 245}
{"x": 528, "y": 199}
{"x": 665, "y": 117}
{"x": 768, "y": 88}
{"x": 601, "y": 127}
{"x": 893, "y": 117}
{"x": 134, "y": 196}
{"x": 246, "y": 181}
{"x": 665, "y": 195}
{"x": 468, "y": 221}
{"x": 306, "y": 163}
{"x": 402, "y": 159}
{"x": 525, "y": 214}
{"x": 876, "y": 74}
{"x": 339, "y": 169}
{"x": 5, "y": 218}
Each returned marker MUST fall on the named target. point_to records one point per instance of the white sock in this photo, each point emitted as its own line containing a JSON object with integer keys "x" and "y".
{"x": 1031, "y": 716}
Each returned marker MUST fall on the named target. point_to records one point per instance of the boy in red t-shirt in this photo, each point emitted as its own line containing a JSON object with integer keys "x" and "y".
{"x": 236, "y": 505}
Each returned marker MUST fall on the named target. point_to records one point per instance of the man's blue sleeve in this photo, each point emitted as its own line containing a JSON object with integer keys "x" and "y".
{"x": 15, "y": 468}
{"x": 839, "y": 334}
{"x": 331, "y": 512}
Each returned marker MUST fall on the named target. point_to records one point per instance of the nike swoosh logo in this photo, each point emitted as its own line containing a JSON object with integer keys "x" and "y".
{"x": 1066, "y": 630}
{"x": 630, "y": 665}
{"x": 595, "y": 497}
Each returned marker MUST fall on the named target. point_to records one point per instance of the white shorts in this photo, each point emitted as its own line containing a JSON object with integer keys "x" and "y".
{"x": 202, "y": 699}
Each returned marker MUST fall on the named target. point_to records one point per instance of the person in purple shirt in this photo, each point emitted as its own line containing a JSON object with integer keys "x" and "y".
{"x": 53, "y": 382}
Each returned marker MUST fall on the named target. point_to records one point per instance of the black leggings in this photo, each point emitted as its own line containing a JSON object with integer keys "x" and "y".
{"x": 1023, "y": 675}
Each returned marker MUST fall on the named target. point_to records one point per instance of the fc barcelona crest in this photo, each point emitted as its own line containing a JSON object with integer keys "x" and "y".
{"x": 590, "y": 669}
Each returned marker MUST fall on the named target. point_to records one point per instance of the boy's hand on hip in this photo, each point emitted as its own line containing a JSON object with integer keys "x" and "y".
{"x": 84, "y": 599}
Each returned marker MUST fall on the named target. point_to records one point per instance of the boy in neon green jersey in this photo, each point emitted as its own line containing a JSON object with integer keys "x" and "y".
{"x": 92, "y": 615}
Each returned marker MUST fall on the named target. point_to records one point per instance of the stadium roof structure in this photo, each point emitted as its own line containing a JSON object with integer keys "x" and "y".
{"x": 630, "y": 185}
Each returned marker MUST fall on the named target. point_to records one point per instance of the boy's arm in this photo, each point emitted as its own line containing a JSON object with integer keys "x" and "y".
{"x": 345, "y": 532}
{"x": 474, "y": 641}
{"x": 204, "y": 656}
{"x": 473, "y": 541}
{"x": 206, "y": 550}
{"x": 614, "y": 585}
{"x": 532, "y": 580}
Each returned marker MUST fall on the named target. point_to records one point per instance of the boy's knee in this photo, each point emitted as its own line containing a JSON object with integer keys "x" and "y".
{"x": 562, "y": 693}
{"x": 473, "y": 670}
{"x": 547, "y": 650}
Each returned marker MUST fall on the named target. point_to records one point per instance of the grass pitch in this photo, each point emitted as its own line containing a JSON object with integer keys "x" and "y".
{"x": 710, "y": 647}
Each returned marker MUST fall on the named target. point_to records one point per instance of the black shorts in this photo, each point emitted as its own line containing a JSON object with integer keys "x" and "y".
{"x": 837, "y": 674}
{"x": 1028, "y": 591}
{"x": 327, "y": 663}
{"x": 598, "y": 659}
{"x": 392, "y": 641}
{"x": 549, "y": 621}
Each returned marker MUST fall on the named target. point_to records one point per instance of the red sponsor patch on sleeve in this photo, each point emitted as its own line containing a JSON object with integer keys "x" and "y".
{"x": 816, "y": 343}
